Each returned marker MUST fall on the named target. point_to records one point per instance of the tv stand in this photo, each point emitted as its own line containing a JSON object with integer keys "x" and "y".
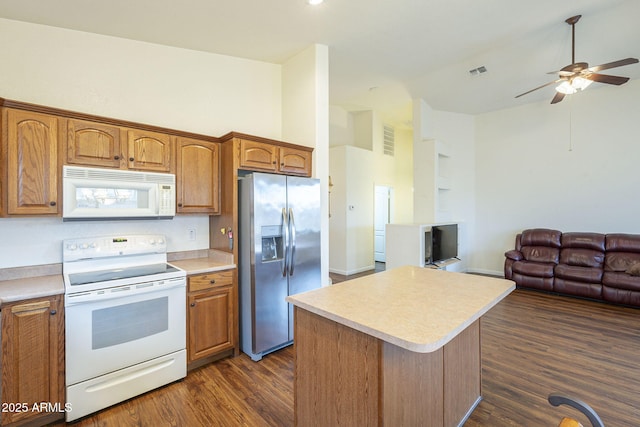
{"x": 442, "y": 265}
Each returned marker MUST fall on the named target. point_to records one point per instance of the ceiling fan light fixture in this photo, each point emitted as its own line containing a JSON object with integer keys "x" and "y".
{"x": 580, "y": 83}
{"x": 566, "y": 88}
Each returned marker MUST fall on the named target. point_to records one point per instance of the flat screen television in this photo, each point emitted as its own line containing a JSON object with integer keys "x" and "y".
{"x": 444, "y": 242}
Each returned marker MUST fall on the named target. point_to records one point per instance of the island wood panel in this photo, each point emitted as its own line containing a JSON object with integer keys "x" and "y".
{"x": 336, "y": 374}
{"x": 412, "y": 387}
{"x": 346, "y": 377}
{"x": 462, "y": 374}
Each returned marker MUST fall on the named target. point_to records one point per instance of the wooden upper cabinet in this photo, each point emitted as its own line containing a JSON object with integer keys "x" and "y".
{"x": 149, "y": 151}
{"x": 32, "y": 163}
{"x": 258, "y": 155}
{"x": 294, "y": 161}
{"x": 197, "y": 176}
{"x": 273, "y": 158}
{"x": 93, "y": 144}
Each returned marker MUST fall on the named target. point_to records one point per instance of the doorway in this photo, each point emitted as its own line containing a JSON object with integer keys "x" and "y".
{"x": 383, "y": 202}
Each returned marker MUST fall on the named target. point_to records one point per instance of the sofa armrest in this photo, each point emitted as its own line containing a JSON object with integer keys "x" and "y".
{"x": 514, "y": 255}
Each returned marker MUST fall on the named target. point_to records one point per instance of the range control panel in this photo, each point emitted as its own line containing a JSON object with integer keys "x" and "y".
{"x": 112, "y": 246}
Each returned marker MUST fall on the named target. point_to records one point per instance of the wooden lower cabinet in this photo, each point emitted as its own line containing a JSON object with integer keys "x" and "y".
{"x": 33, "y": 361}
{"x": 211, "y": 316}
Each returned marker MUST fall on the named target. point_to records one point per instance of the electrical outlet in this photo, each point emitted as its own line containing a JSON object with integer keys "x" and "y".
{"x": 191, "y": 234}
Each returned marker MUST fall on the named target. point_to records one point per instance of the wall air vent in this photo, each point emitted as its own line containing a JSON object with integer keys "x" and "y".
{"x": 389, "y": 143}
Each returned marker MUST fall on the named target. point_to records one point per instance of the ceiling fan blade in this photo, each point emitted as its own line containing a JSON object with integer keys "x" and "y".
{"x": 613, "y": 64}
{"x": 557, "y": 98}
{"x": 539, "y": 87}
{"x": 604, "y": 78}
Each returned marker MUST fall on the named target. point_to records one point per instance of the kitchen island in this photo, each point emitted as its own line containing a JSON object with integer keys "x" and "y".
{"x": 397, "y": 348}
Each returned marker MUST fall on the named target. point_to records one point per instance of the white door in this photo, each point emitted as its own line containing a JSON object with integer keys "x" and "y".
{"x": 382, "y": 218}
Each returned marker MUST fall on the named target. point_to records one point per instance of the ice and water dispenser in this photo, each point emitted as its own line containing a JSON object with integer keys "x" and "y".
{"x": 272, "y": 243}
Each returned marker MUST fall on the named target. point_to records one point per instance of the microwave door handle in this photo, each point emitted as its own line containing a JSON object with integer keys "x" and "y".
{"x": 285, "y": 234}
{"x": 292, "y": 227}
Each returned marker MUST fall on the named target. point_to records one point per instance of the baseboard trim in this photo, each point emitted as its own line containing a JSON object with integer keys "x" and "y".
{"x": 495, "y": 273}
{"x": 350, "y": 272}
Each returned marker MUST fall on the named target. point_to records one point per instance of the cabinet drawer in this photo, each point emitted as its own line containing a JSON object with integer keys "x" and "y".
{"x": 202, "y": 282}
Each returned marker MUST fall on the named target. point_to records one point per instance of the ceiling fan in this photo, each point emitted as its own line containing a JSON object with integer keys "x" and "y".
{"x": 578, "y": 75}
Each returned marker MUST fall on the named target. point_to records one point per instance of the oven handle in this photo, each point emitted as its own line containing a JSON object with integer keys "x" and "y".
{"x": 123, "y": 291}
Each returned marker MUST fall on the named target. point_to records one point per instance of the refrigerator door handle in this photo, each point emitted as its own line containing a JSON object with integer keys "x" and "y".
{"x": 292, "y": 252}
{"x": 285, "y": 233}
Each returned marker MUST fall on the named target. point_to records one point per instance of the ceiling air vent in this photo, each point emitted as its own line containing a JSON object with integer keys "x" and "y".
{"x": 389, "y": 140}
{"x": 477, "y": 71}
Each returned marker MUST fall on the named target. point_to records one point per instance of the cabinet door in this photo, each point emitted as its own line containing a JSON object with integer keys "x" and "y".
{"x": 210, "y": 322}
{"x": 93, "y": 144}
{"x": 32, "y": 357}
{"x": 258, "y": 156}
{"x": 32, "y": 156}
{"x": 150, "y": 151}
{"x": 197, "y": 176}
{"x": 294, "y": 161}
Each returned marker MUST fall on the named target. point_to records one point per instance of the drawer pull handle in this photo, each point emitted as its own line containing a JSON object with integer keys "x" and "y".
{"x": 212, "y": 281}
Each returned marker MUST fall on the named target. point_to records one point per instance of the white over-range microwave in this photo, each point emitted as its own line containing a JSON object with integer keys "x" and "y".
{"x": 92, "y": 193}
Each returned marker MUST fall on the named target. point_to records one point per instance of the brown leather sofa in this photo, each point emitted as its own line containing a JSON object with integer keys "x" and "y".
{"x": 590, "y": 265}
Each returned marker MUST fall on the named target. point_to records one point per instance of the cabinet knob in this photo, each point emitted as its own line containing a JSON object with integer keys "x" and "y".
{"x": 131, "y": 159}
{"x": 116, "y": 157}
{"x": 274, "y": 162}
{"x": 212, "y": 281}
{"x": 52, "y": 203}
{"x": 52, "y": 312}
{"x": 193, "y": 304}
{"x": 179, "y": 205}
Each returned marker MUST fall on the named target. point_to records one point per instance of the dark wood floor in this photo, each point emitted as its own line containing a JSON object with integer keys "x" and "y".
{"x": 532, "y": 344}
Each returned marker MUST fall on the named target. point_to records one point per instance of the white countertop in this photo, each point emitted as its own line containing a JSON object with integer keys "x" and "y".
{"x": 415, "y": 308}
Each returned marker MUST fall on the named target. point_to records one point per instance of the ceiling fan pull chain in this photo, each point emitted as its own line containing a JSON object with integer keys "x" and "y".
{"x": 570, "y": 124}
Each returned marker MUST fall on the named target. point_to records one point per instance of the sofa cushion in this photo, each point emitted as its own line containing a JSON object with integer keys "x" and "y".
{"x": 634, "y": 270}
{"x": 620, "y": 261}
{"x": 544, "y": 283}
{"x": 582, "y": 257}
{"x": 536, "y": 269}
{"x": 581, "y": 289}
{"x": 541, "y": 254}
{"x": 621, "y": 296}
{"x": 621, "y": 280}
{"x": 540, "y": 237}
{"x": 594, "y": 241}
{"x": 580, "y": 274}
{"x": 617, "y": 242}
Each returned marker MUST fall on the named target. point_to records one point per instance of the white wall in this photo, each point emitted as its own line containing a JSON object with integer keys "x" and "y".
{"x": 571, "y": 166}
{"x": 456, "y": 132}
{"x": 305, "y": 121}
{"x": 357, "y": 164}
{"x": 141, "y": 82}
{"x": 352, "y": 203}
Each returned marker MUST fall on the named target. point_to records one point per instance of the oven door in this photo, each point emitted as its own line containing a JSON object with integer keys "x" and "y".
{"x": 107, "y": 332}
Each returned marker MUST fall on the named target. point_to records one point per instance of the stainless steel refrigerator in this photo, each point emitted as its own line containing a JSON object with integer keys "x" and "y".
{"x": 279, "y": 256}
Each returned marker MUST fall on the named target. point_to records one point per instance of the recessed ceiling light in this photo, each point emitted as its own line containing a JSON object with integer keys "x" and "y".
{"x": 314, "y": 2}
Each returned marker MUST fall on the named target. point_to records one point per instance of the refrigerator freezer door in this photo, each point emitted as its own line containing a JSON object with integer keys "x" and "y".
{"x": 263, "y": 282}
{"x": 303, "y": 200}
